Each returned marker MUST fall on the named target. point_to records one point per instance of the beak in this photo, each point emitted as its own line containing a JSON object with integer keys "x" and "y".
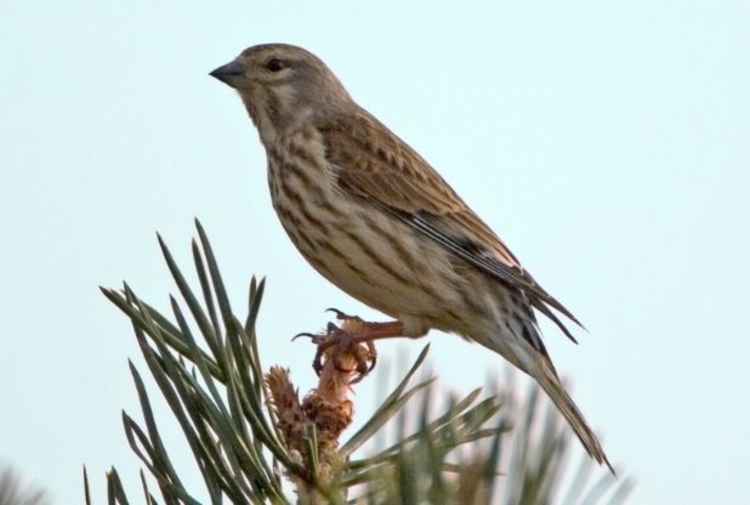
{"x": 228, "y": 73}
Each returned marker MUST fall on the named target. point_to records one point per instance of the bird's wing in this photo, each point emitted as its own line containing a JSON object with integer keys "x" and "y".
{"x": 373, "y": 163}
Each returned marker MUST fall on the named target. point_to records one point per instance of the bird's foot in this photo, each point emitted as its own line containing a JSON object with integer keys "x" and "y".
{"x": 349, "y": 348}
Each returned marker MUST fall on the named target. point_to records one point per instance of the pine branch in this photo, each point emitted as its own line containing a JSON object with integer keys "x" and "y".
{"x": 250, "y": 433}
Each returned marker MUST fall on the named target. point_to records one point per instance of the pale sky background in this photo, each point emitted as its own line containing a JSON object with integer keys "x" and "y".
{"x": 608, "y": 144}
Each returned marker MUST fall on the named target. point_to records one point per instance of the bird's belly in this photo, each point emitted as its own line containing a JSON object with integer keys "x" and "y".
{"x": 373, "y": 257}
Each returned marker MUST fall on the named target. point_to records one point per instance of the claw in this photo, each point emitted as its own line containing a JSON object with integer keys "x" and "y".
{"x": 304, "y": 334}
{"x": 362, "y": 368}
{"x": 339, "y": 315}
{"x": 373, "y": 355}
{"x": 318, "y": 362}
{"x": 357, "y": 379}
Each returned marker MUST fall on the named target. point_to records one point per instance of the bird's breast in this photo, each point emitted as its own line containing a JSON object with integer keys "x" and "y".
{"x": 363, "y": 250}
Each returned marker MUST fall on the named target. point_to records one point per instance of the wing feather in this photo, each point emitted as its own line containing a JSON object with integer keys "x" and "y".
{"x": 377, "y": 165}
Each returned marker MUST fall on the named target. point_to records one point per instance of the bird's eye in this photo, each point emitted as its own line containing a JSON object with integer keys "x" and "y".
{"x": 275, "y": 65}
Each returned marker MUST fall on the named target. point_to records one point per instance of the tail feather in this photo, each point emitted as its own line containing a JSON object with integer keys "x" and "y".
{"x": 548, "y": 380}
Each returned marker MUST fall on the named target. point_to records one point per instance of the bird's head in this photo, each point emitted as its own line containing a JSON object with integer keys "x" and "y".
{"x": 282, "y": 86}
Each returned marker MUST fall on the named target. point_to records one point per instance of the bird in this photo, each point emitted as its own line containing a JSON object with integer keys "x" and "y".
{"x": 372, "y": 216}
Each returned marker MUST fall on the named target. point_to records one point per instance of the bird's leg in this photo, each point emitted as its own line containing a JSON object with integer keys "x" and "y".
{"x": 365, "y": 332}
{"x": 354, "y": 339}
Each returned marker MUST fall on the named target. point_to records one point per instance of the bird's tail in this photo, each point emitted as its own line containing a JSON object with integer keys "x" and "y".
{"x": 549, "y": 381}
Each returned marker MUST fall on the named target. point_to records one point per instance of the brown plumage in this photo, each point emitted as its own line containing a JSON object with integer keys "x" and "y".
{"x": 374, "y": 218}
